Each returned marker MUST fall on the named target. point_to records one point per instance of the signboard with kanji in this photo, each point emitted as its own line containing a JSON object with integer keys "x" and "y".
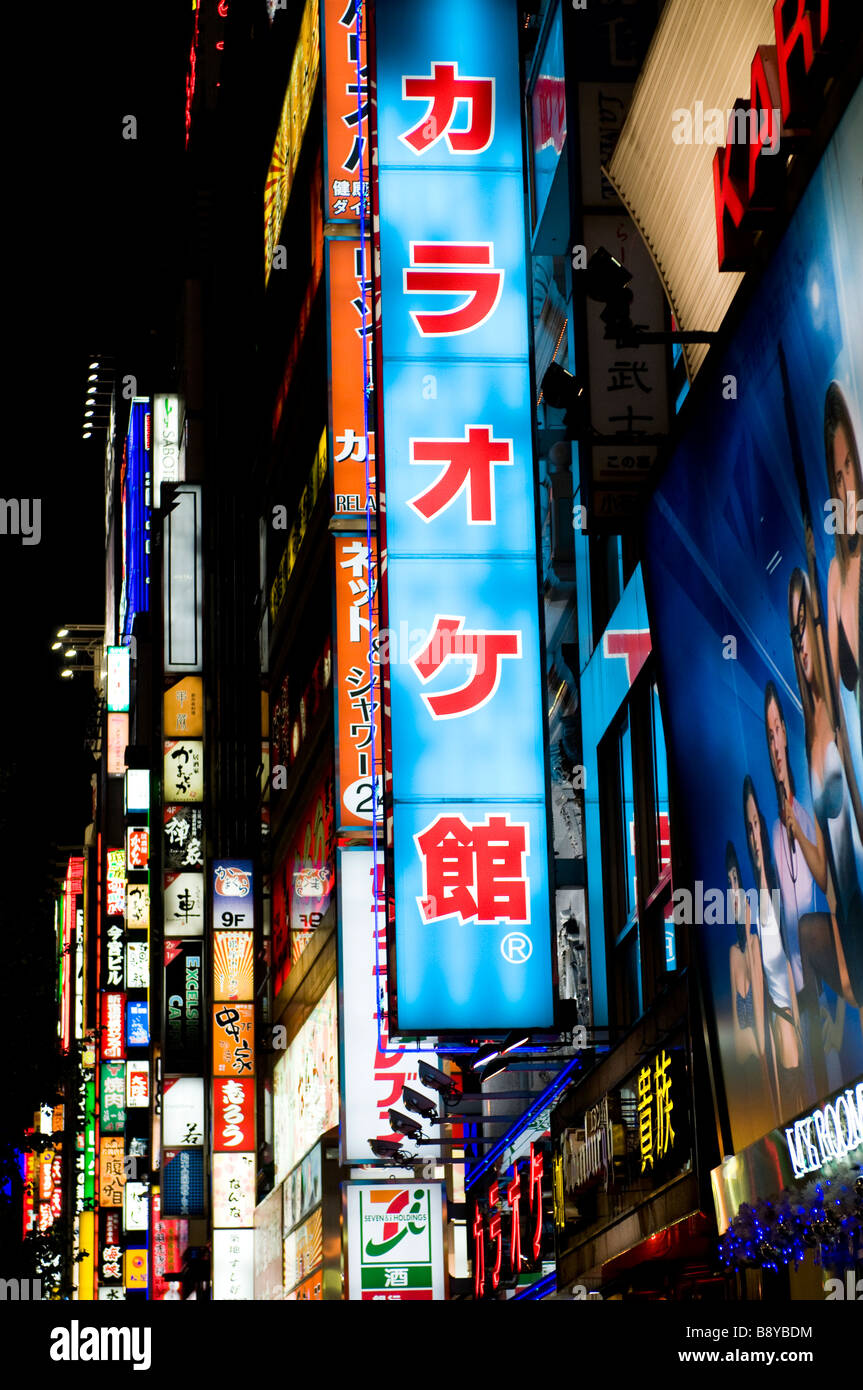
{"x": 359, "y": 785}
{"x": 470, "y": 843}
{"x": 346, "y": 109}
{"x": 351, "y": 451}
{"x": 233, "y": 1039}
{"x": 395, "y": 1242}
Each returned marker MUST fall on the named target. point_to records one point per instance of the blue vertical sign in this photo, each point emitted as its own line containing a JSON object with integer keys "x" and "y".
{"x": 470, "y": 843}
{"x": 136, "y": 503}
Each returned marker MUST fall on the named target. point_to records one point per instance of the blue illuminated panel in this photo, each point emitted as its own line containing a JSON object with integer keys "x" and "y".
{"x": 472, "y": 923}
{"x": 135, "y": 510}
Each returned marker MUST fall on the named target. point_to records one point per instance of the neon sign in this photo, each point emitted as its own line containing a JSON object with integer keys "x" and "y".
{"x": 828, "y": 1134}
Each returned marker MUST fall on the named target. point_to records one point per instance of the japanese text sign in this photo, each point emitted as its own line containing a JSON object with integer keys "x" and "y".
{"x": 233, "y": 1040}
{"x": 233, "y": 1115}
{"x": 346, "y": 142}
{"x": 472, "y": 917}
{"x": 395, "y": 1242}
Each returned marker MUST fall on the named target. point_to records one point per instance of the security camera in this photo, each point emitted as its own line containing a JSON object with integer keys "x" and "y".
{"x": 402, "y": 1124}
{"x": 386, "y": 1148}
{"x": 436, "y": 1080}
{"x": 419, "y": 1104}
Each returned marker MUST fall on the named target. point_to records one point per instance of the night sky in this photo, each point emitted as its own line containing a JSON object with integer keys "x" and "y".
{"x": 94, "y": 235}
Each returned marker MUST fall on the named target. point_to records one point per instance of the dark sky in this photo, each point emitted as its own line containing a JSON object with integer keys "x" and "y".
{"x": 95, "y": 226}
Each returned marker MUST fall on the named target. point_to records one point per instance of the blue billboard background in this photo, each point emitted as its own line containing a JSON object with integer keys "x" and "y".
{"x": 725, "y": 533}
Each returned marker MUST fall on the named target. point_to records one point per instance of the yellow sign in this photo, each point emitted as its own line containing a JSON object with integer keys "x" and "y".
{"x": 87, "y": 1249}
{"x": 135, "y": 1269}
{"x": 292, "y": 124}
{"x": 184, "y": 708}
{"x": 655, "y": 1134}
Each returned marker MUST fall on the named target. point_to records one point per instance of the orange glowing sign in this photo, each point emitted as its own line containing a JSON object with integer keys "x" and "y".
{"x": 350, "y": 448}
{"x": 233, "y": 1039}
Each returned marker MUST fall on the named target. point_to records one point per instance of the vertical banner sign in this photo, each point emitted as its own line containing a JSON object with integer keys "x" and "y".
{"x": 395, "y": 1242}
{"x": 470, "y": 856}
{"x": 166, "y": 443}
{"x": 183, "y": 580}
{"x": 359, "y": 786}
{"x": 347, "y": 137}
{"x": 345, "y": 292}
{"x": 372, "y": 1076}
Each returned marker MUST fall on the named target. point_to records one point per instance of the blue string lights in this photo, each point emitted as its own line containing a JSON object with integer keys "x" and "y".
{"x": 825, "y": 1217}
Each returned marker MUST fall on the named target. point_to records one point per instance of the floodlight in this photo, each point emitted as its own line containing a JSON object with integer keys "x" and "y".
{"x": 402, "y": 1124}
{"x": 484, "y": 1054}
{"x": 517, "y": 1038}
{"x": 419, "y": 1105}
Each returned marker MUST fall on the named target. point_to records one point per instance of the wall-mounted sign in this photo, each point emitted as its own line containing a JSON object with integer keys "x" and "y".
{"x": 137, "y": 847}
{"x": 183, "y": 1182}
{"x": 306, "y": 1085}
{"x": 183, "y": 1112}
{"x": 233, "y": 1115}
{"x": 183, "y": 715}
{"x": 302, "y": 1189}
{"x": 110, "y": 1264}
{"x": 360, "y": 787}
{"x": 233, "y": 1040}
{"x": 166, "y": 443}
{"x": 234, "y": 1189}
{"x": 137, "y": 964}
{"x": 184, "y": 770}
{"x": 472, "y": 931}
{"x": 347, "y": 135}
{"x": 183, "y": 582}
{"x": 304, "y": 1250}
{"x": 514, "y": 1217}
{"x": 233, "y": 1265}
{"x": 827, "y": 1134}
{"x": 136, "y": 793}
{"x": 292, "y": 124}
{"x": 137, "y": 905}
{"x": 349, "y": 454}
{"x": 113, "y": 968}
{"x": 118, "y": 742}
{"x": 234, "y": 965}
{"x": 183, "y": 843}
{"x": 183, "y": 1005}
{"x": 395, "y": 1242}
{"x": 113, "y": 1019}
{"x": 137, "y": 1023}
{"x": 135, "y": 503}
{"x": 303, "y": 881}
{"x": 268, "y": 1248}
{"x": 118, "y": 679}
{"x": 111, "y": 1171}
{"x": 135, "y": 1267}
{"x": 296, "y": 535}
{"x": 233, "y": 896}
{"x": 136, "y": 1206}
{"x": 184, "y": 904}
{"x": 170, "y": 1239}
{"x": 137, "y": 1084}
{"x": 115, "y": 895}
{"x": 112, "y": 1097}
{"x": 372, "y": 1078}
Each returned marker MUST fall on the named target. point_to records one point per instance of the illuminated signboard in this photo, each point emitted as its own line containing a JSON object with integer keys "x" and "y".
{"x": 347, "y": 416}
{"x": 360, "y": 787}
{"x": 827, "y": 1134}
{"x": 304, "y": 879}
{"x": 184, "y": 770}
{"x": 170, "y": 1239}
{"x": 395, "y": 1242}
{"x": 233, "y": 898}
{"x": 183, "y": 581}
{"x": 112, "y": 1098}
{"x": 233, "y": 1114}
{"x": 116, "y": 883}
{"x": 292, "y": 124}
{"x": 234, "y": 965}
{"x": 113, "y": 971}
{"x": 135, "y": 512}
{"x": 302, "y": 1189}
{"x": 184, "y": 904}
{"x": 137, "y": 790}
{"x": 118, "y": 679}
{"x": 750, "y": 554}
{"x": 183, "y": 713}
{"x": 268, "y": 1248}
{"x": 167, "y": 457}
{"x": 233, "y": 1189}
{"x": 183, "y": 837}
{"x": 517, "y": 1216}
{"x": 111, "y": 1171}
{"x": 110, "y": 1264}
{"x": 233, "y": 1265}
{"x": 472, "y": 931}
{"x": 118, "y": 742}
{"x": 183, "y": 1005}
{"x": 306, "y": 1085}
{"x": 369, "y": 1088}
{"x": 113, "y": 1012}
{"x": 137, "y": 1084}
{"x": 183, "y": 1182}
{"x": 136, "y": 1206}
{"x": 233, "y": 1039}
{"x": 137, "y": 905}
{"x": 137, "y": 846}
{"x": 137, "y": 1025}
{"x": 183, "y": 1112}
{"x": 346, "y": 141}
{"x": 304, "y": 1250}
{"x": 137, "y": 964}
{"x": 135, "y": 1268}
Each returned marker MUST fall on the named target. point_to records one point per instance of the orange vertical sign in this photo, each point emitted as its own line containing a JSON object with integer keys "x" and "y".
{"x": 357, "y": 711}
{"x": 348, "y": 446}
{"x": 347, "y": 126}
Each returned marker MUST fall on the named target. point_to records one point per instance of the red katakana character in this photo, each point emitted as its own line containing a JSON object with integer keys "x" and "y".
{"x": 443, "y": 91}
{"x": 535, "y": 1187}
{"x": 468, "y": 463}
{"x": 397, "y": 1083}
{"x": 513, "y": 1196}
{"x": 474, "y": 870}
{"x": 479, "y": 1255}
{"x": 487, "y": 648}
{"x": 455, "y": 267}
